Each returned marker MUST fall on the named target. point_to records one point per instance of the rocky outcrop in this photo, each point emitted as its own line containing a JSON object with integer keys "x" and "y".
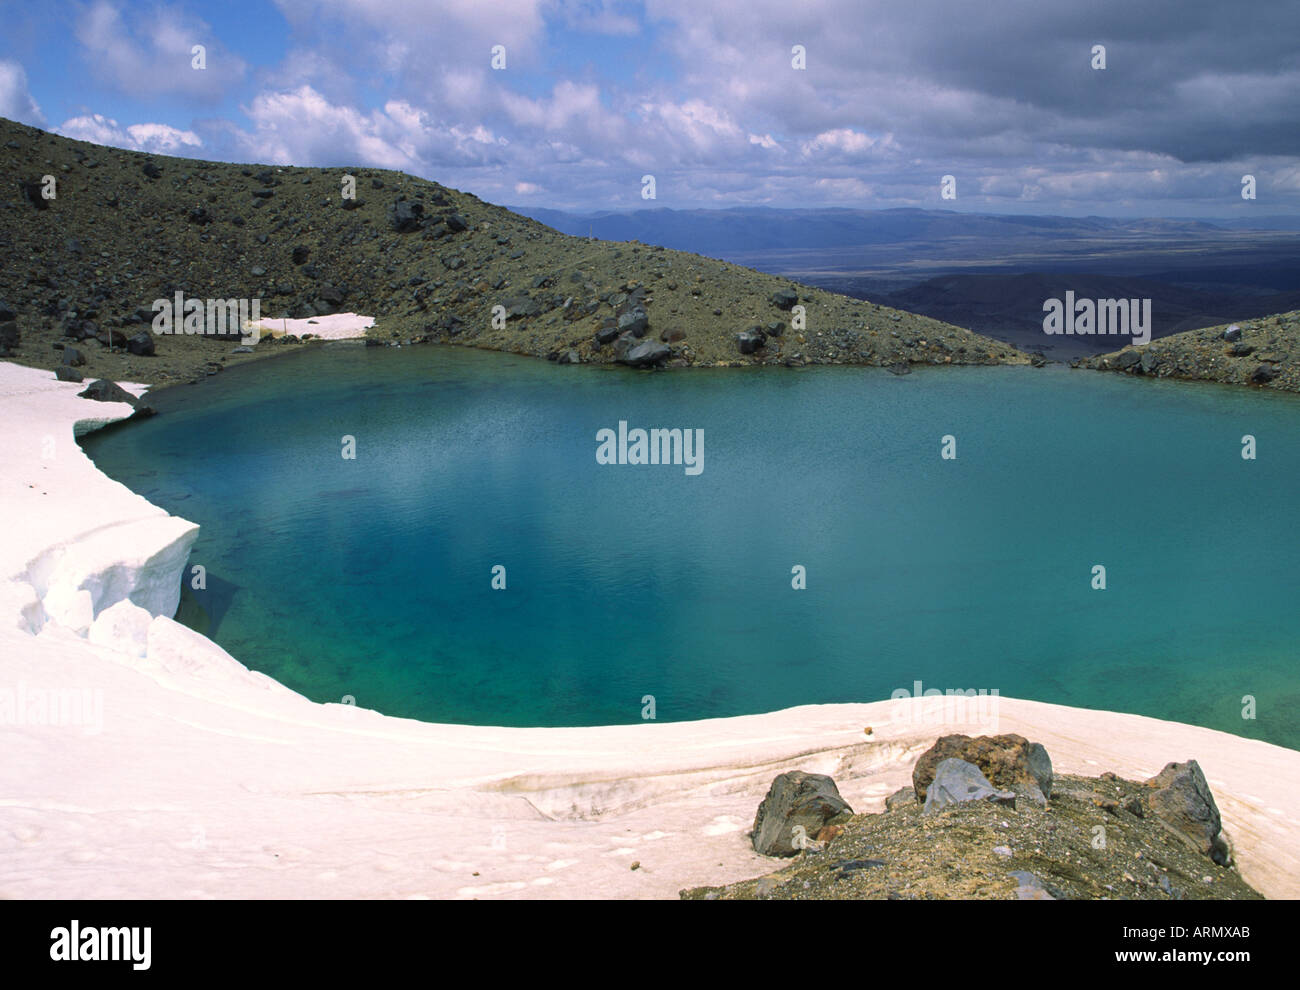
{"x": 1264, "y": 353}
{"x": 797, "y": 801}
{"x": 1010, "y": 762}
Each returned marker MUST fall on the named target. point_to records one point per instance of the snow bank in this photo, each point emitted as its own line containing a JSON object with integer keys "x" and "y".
{"x": 142, "y": 760}
{"x": 339, "y": 326}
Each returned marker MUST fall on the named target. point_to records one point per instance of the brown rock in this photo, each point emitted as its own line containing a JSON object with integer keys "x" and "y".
{"x": 1010, "y": 762}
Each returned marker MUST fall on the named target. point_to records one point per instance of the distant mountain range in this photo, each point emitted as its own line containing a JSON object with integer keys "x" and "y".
{"x": 991, "y": 273}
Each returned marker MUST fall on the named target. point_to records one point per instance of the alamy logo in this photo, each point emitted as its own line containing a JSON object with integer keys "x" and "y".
{"x": 77, "y": 944}
{"x": 1098, "y": 316}
{"x": 208, "y": 316}
{"x": 685, "y": 447}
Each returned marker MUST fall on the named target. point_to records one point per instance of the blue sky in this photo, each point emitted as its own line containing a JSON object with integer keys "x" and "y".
{"x": 703, "y": 96}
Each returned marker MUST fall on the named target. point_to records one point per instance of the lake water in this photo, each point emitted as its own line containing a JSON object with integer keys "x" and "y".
{"x": 372, "y": 577}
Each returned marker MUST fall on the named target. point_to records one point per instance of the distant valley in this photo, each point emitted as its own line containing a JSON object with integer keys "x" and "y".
{"x": 991, "y": 274}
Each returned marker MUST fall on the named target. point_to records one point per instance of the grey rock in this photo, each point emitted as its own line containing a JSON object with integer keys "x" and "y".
{"x": 646, "y": 353}
{"x": 1232, "y": 333}
{"x": 405, "y": 216}
{"x": 142, "y": 344}
{"x": 73, "y": 357}
{"x": 1181, "y": 801}
{"x": 1030, "y": 887}
{"x": 67, "y": 373}
{"x": 785, "y": 298}
{"x": 102, "y": 390}
{"x": 750, "y": 341}
{"x": 958, "y": 782}
{"x": 810, "y": 800}
{"x": 635, "y": 322}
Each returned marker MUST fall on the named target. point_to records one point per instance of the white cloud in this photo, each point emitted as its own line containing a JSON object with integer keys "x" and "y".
{"x": 303, "y": 127}
{"x": 150, "y": 52}
{"x": 16, "y": 102}
{"x": 159, "y": 139}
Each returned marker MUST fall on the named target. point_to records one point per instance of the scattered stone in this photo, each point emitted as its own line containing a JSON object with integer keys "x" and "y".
{"x": 67, "y": 373}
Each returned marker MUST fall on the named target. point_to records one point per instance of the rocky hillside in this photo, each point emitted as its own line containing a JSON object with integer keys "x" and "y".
{"x": 986, "y": 818}
{"x": 430, "y": 263}
{"x": 1263, "y": 352}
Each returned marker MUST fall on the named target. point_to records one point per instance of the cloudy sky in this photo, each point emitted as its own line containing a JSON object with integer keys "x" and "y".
{"x": 595, "y": 94}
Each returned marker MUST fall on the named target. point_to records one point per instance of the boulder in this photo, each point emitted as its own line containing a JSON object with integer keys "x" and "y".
{"x": 672, "y": 335}
{"x": 607, "y": 335}
{"x": 405, "y": 216}
{"x": 1009, "y": 762}
{"x": 622, "y": 344}
{"x": 67, "y": 373}
{"x": 102, "y": 390}
{"x": 9, "y": 335}
{"x": 750, "y": 341}
{"x": 646, "y": 353}
{"x": 635, "y": 322}
{"x": 796, "y": 798}
{"x": 785, "y": 298}
{"x": 521, "y": 306}
{"x": 111, "y": 338}
{"x": 1263, "y": 374}
{"x": 569, "y": 357}
{"x": 1181, "y": 800}
{"x": 958, "y": 782}
{"x": 456, "y": 222}
{"x": 142, "y": 344}
{"x": 1232, "y": 333}
{"x": 7, "y": 312}
{"x": 73, "y": 357}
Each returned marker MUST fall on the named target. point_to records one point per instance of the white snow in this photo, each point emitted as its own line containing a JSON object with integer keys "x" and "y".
{"x": 138, "y": 759}
{"x": 338, "y": 326}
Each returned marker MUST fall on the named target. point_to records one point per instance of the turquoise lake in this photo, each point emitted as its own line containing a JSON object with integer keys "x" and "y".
{"x": 372, "y": 577}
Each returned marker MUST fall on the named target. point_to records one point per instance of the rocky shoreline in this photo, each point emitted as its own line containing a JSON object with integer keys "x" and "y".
{"x": 986, "y": 818}
{"x": 1263, "y": 353}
